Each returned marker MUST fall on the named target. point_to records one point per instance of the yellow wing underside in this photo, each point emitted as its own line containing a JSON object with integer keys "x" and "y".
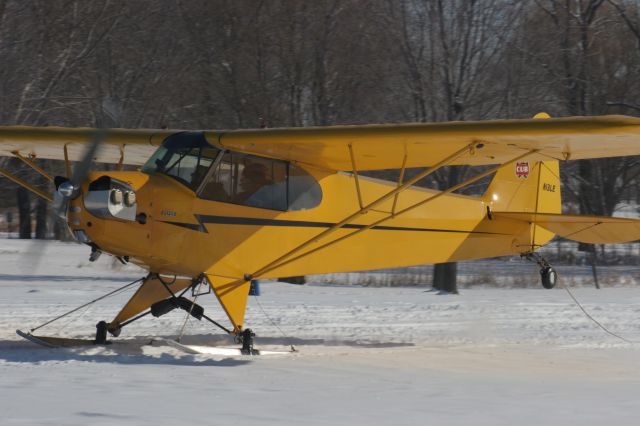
{"x": 585, "y": 229}
{"x": 126, "y": 146}
{"x": 373, "y": 146}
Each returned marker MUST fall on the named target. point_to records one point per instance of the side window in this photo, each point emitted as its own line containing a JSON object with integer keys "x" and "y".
{"x": 250, "y": 181}
{"x": 190, "y": 169}
{"x": 304, "y": 190}
{"x": 261, "y": 182}
{"x": 219, "y": 187}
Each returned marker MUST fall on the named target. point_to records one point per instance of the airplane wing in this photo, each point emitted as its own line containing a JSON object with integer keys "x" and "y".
{"x": 132, "y": 146}
{"x": 425, "y": 144}
{"x": 584, "y": 229}
{"x": 373, "y": 146}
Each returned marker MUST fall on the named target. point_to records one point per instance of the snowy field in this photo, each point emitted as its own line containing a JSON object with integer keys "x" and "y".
{"x": 366, "y": 356}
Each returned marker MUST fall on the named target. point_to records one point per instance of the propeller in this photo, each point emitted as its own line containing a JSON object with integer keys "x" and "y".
{"x": 69, "y": 188}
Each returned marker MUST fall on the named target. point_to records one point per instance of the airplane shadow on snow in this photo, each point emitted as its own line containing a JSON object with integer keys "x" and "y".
{"x": 122, "y": 352}
{"x": 131, "y": 351}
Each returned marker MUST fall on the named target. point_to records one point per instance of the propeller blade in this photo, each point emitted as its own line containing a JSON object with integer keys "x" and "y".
{"x": 82, "y": 168}
{"x": 79, "y": 175}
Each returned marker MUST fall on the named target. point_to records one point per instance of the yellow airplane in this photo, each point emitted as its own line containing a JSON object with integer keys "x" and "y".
{"x": 221, "y": 208}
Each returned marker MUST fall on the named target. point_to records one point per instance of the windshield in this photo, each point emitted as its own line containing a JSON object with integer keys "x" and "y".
{"x": 185, "y": 156}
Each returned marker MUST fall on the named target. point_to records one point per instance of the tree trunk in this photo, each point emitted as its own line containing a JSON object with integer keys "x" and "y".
{"x": 24, "y": 213}
{"x": 445, "y": 277}
{"x": 41, "y": 219}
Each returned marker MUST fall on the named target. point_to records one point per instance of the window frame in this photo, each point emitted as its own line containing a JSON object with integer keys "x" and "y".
{"x": 216, "y": 164}
{"x": 210, "y": 172}
{"x": 203, "y": 144}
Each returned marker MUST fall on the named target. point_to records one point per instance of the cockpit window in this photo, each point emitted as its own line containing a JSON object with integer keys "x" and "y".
{"x": 261, "y": 182}
{"x": 248, "y": 180}
{"x": 234, "y": 177}
{"x": 185, "y": 156}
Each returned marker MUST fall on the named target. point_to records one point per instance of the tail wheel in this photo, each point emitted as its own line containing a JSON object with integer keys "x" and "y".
{"x": 549, "y": 277}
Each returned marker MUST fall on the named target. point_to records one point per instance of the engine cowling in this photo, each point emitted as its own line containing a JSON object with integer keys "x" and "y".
{"x": 110, "y": 198}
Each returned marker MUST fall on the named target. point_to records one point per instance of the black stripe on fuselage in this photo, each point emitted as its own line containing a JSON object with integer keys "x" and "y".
{"x": 193, "y": 226}
{"x": 252, "y": 221}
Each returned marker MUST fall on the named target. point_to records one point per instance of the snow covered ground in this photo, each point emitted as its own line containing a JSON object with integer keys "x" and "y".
{"x": 400, "y": 356}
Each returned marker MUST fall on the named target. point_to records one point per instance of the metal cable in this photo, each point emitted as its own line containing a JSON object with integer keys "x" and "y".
{"x": 593, "y": 319}
{"x": 113, "y": 293}
{"x": 286, "y": 338}
{"x": 186, "y": 319}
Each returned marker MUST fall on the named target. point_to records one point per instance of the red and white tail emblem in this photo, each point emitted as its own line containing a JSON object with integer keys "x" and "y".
{"x": 522, "y": 169}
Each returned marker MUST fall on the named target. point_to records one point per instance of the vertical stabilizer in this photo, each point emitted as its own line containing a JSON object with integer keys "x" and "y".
{"x": 531, "y": 187}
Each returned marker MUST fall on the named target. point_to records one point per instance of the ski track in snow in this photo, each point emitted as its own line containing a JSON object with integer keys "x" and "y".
{"x": 397, "y": 356}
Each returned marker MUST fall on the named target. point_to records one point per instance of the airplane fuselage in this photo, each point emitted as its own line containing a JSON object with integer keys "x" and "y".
{"x": 175, "y": 232}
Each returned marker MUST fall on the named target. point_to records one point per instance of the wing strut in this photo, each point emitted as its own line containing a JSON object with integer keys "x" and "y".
{"x": 355, "y": 175}
{"x": 67, "y": 164}
{"x": 25, "y": 184}
{"x": 400, "y": 180}
{"x": 33, "y": 165}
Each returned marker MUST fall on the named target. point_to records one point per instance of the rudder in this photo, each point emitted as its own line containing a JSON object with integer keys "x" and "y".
{"x": 532, "y": 187}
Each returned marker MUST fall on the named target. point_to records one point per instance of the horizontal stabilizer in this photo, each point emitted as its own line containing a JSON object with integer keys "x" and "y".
{"x": 584, "y": 229}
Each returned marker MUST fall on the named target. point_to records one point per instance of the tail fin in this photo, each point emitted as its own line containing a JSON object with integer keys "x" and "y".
{"x": 531, "y": 187}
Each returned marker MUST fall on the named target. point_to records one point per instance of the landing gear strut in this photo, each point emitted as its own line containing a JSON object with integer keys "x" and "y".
{"x": 101, "y": 333}
{"x": 548, "y": 275}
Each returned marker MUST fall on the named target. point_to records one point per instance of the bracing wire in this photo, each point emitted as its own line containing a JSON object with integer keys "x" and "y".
{"x": 286, "y": 338}
{"x": 112, "y": 293}
{"x": 72, "y": 320}
{"x": 188, "y": 316}
{"x": 605, "y": 329}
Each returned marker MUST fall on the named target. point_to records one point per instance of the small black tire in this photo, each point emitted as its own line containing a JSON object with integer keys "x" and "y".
{"x": 101, "y": 333}
{"x": 549, "y": 277}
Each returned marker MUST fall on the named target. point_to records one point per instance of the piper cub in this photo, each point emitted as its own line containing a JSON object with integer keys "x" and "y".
{"x": 222, "y": 208}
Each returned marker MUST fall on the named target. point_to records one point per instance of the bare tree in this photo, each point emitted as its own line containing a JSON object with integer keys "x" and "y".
{"x": 451, "y": 51}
